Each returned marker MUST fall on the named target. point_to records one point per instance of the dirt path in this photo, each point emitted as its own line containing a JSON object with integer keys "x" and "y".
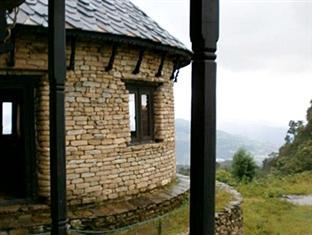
{"x": 302, "y": 200}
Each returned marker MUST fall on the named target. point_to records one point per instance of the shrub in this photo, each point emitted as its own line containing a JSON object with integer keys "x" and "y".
{"x": 225, "y": 177}
{"x": 243, "y": 166}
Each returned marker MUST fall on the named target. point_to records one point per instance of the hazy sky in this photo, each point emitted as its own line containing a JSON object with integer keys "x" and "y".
{"x": 264, "y": 58}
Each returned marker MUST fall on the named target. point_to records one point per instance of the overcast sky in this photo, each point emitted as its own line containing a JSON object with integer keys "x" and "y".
{"x": 264, "y": 58}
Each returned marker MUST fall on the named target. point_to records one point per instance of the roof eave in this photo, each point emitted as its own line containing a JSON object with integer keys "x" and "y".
{"x": 184, "y": 56}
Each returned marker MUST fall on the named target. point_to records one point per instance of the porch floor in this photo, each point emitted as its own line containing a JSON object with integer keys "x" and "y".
{"x": 29, "y": 218}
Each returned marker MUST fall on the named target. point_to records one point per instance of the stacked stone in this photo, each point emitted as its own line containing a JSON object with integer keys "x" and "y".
{"x": 42, "y": 137}
{"x": 230, "y": 219}
{"x": 101, "y": 162}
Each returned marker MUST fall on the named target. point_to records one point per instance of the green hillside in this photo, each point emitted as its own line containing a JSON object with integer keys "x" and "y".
{"x": 296, "y": 154}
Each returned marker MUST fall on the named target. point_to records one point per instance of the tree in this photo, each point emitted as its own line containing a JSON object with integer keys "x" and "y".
{"x": 243, "y": 166}
{"x": 294, "y": 129}
{"x": 296, "y": 154}
{"x": 268, "y": 163}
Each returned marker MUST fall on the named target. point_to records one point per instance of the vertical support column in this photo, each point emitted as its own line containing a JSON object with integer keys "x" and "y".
{"x": 204, "y": 36}
{"x": 57, "y": 73}
{"x": 3, "y": 25}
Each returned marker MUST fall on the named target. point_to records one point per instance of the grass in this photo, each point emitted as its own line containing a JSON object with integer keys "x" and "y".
{"x": 265, "y": 213}
{"x": 175, "y": 222}
{"x": 222, "y": 199}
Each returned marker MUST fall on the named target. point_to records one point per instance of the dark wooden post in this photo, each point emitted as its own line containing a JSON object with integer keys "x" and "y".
{"x": 3, "y": 25}
{"x": 57, "y": 73}
{"x": 204, "y": 36}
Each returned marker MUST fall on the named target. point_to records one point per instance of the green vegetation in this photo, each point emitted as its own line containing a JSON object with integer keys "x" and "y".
{"x": 225, "y": 176}
{"x": 222, "y": 199}
{"x": 296, "y": 154}
{"x": 265, "y": 212}
{"x": 288, "y": 172}
{"x": 243, "y": 166}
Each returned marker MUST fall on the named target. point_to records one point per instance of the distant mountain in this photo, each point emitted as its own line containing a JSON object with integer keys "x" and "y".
{"x": 256, "y": 131}
{"x": 182, "y": 136}
{"x": 227, "y": 144}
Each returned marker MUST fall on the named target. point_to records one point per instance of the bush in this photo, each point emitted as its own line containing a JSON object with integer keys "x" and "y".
{"x": 243, "y": 166}
{"x": 225, "y": 176}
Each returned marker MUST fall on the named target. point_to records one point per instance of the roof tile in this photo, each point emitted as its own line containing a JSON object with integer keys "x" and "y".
{"x": 119, "y": 17}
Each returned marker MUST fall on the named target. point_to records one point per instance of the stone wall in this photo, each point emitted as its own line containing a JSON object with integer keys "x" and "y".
{"x": 230, "y": 220}
{"x": 99, "y": 218}
{"x": 101, "y": 162}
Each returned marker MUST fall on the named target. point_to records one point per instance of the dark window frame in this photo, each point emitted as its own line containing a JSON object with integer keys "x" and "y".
{"x": 138, "y": 90}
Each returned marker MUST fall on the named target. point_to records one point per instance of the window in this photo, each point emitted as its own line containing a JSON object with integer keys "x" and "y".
{"x": 141, "y": 113}
{"x": 7, "y": 118}
{"x": 10, "y": 117}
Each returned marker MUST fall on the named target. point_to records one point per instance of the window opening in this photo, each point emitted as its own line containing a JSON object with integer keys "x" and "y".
{"x": 141, "y": 112}
{"x": 7, "y": 114}
{"x": 132, "y": 116}
{"x": 145, "y": 115}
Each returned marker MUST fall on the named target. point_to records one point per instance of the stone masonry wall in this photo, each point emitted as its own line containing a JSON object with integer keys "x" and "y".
{"x": 101, "y": 162}
{"x": 230, "y": 219}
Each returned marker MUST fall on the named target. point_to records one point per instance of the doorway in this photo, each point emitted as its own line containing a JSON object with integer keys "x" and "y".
{"x": 12, "y": 160}
{"x": 17, "y": 155}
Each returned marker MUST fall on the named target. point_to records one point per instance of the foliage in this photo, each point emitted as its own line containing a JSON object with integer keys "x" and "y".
{"x": 266, "y": 213}
{"x": 243, "y": 166}
{"x": 225, "y": 176}
{"x": 296, "y": 154}
{"x": 267, "y": 164}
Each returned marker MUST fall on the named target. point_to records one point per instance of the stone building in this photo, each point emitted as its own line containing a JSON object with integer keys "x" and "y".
{"x": 119, "y": 103}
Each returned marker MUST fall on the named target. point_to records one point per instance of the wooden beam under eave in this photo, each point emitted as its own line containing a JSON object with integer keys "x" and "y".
{"x": 161, "y": 65}
{"x": 139, "y": 62}
{"x": 72, "y": 58}
{"x": 174, "y": 69}
{"x": 111, "y": 61}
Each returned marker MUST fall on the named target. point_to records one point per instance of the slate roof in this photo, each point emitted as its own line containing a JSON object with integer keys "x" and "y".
{"x": 117, "y": 17}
